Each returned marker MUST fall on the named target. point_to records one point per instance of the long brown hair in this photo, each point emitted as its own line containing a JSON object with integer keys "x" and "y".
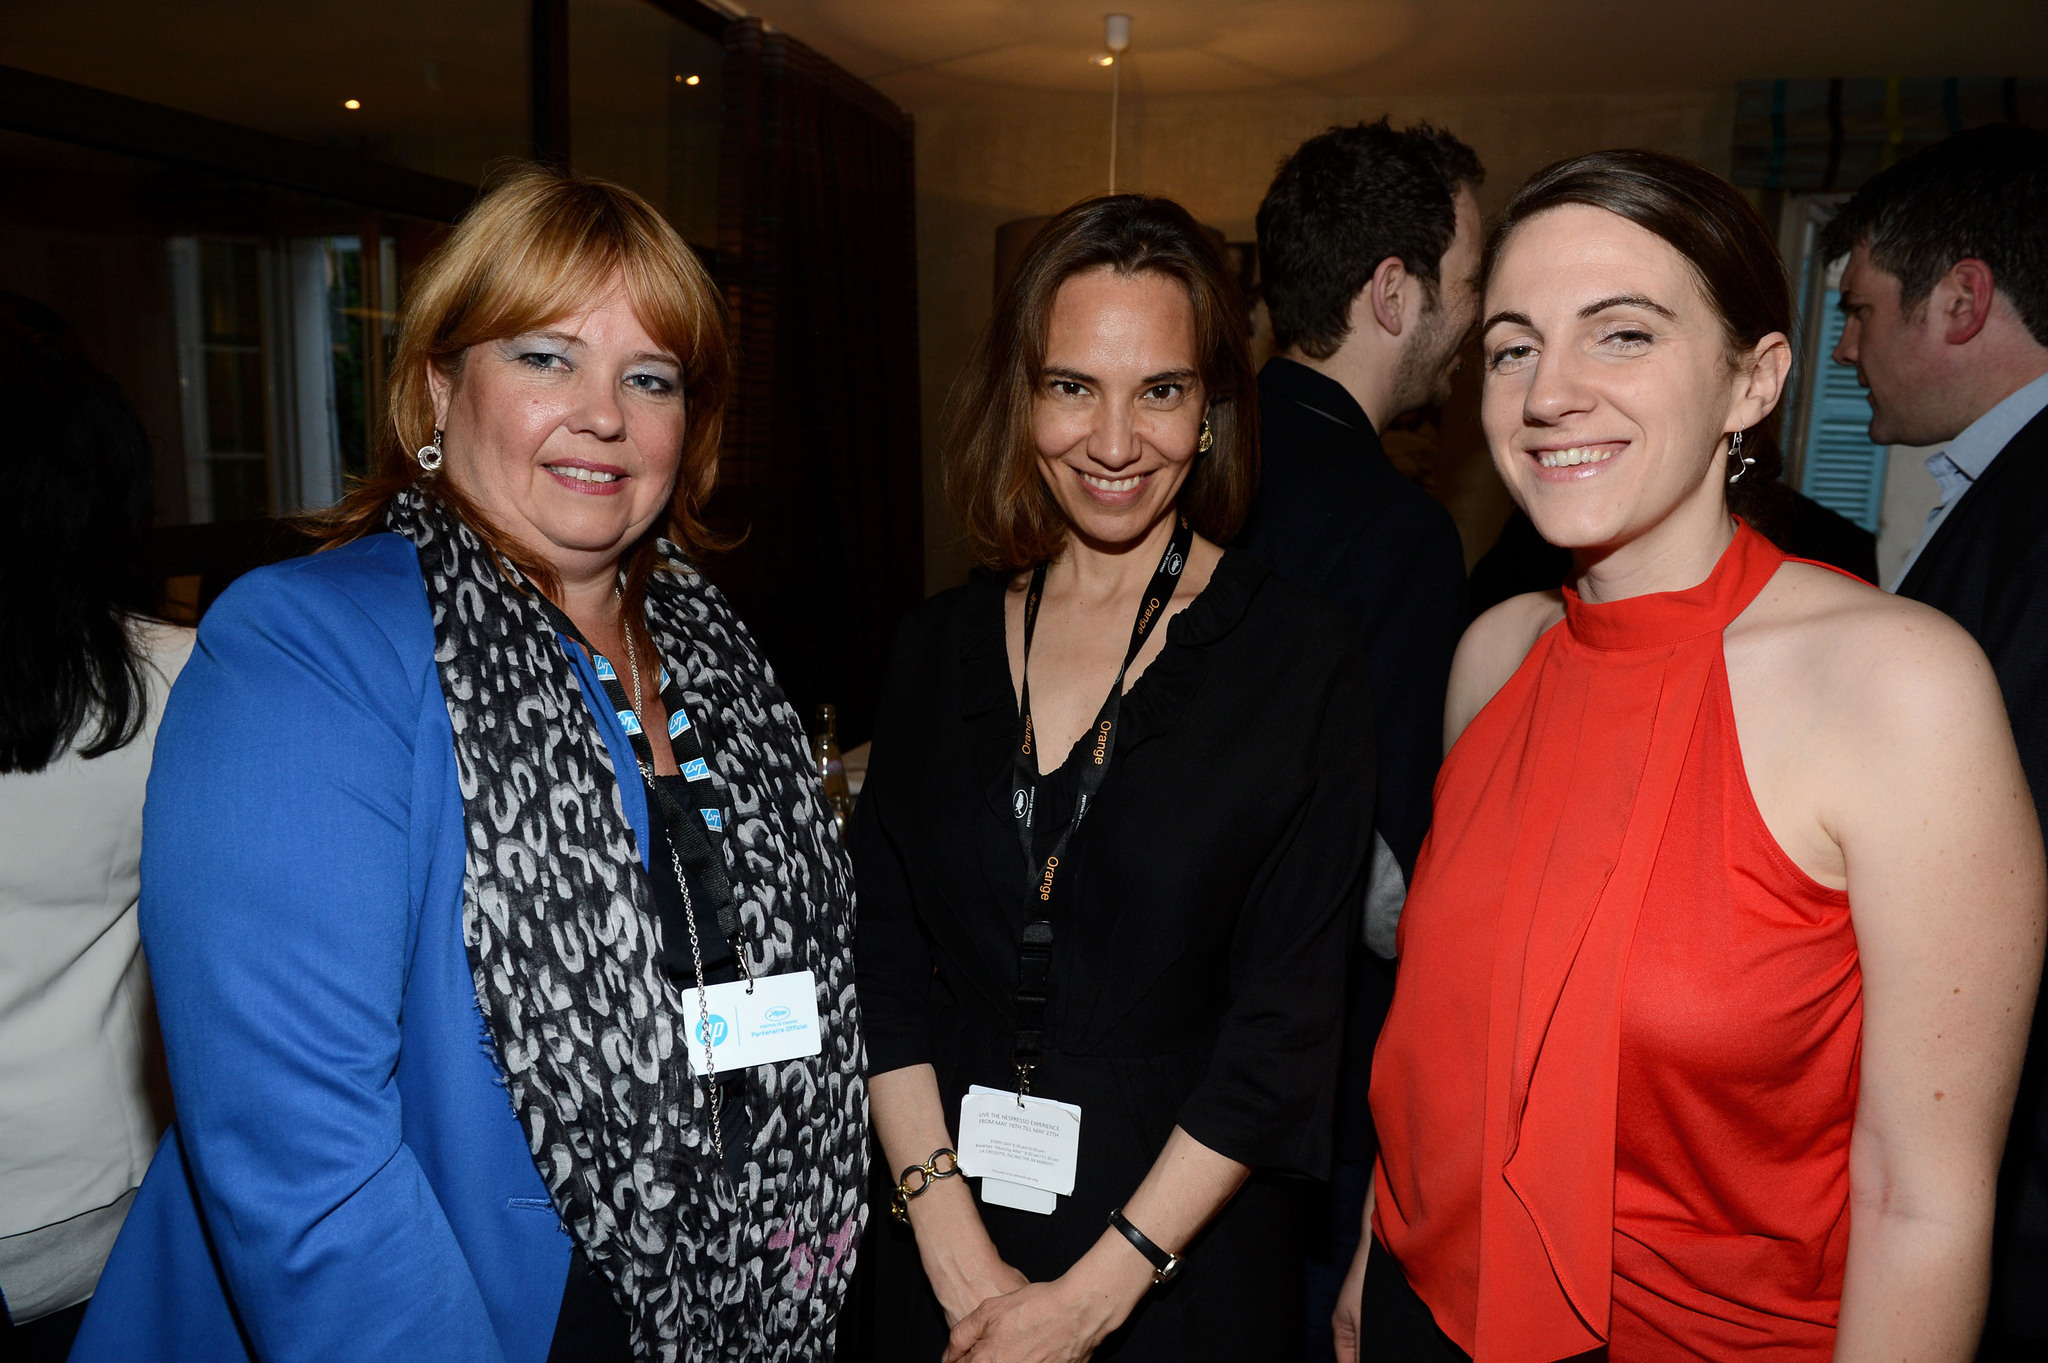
{"x": 1010, "y": 517}
{"x": 541, "y": 246}
{"x": 1709, "y": 222}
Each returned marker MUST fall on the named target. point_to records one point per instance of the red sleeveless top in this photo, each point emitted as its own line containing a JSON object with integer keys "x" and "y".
{"x": 1615, "y": 1091}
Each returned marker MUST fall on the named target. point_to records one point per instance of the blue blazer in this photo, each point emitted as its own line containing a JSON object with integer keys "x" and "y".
{"x": 346, "y": 1178}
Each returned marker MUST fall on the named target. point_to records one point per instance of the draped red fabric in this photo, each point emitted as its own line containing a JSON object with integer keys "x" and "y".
{"x": 1595, "y": 852}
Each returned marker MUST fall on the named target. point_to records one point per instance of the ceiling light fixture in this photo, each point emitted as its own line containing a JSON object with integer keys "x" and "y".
{"x": 688, "y": 80}
{"x": 351, "y": 104}
{"x": 1104, "y": 60}
{"x": 1116, "y": 36}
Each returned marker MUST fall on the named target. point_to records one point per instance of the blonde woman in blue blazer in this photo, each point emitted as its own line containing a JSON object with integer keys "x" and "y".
{"x": 448, "y": 825}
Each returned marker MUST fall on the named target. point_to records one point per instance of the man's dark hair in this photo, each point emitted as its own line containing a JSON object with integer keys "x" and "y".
{"x": 1982, "y": 194}
{"x": 1342, "y": 203}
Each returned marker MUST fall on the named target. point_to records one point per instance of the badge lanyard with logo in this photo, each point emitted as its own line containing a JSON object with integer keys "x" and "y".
{"x": 1025, "y": 1148}
{"x": 746, "y": 1022}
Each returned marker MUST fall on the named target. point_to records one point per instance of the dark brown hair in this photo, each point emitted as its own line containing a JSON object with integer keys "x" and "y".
{"x": 1981, "y": 194}
{"x": 76, "y": 494}
{"x": 538, "y": 247}
{"x": 1343, "y": 202}
{"x": 991, "y": 472}
{"x": 1708, "y": 222}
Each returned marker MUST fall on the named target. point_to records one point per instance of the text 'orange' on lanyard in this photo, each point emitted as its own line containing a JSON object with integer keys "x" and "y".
{"x": 1034, "y": 958}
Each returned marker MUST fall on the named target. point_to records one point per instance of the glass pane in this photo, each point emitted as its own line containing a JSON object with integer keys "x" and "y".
{"x": 644, "y": 92}
{"x": 439, "y": 85}
{"x": 241, "y": 489}
{"x": 231, "y": 313}
{"x": 345, "y": 328}
{"x": 234, "y": 400}
{"x": 249, "y": 403}
{"x": 231, "y": 299}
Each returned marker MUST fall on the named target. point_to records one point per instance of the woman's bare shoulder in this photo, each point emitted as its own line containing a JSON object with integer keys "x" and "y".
{"x": 1870, "y": 656}
{"x": 1491, "y": 651}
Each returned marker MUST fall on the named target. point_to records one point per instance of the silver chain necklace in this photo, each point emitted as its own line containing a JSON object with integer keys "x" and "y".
{"x": 717, "y": 1094}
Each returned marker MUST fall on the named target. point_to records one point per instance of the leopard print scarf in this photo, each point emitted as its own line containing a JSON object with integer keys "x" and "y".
{"x": 564, "y": 951}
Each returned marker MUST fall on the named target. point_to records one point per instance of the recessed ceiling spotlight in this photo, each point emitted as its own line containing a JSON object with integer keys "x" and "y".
{"x": 688, "y": 80}
{"x": 351, "y": 104}
{"x": 1104, "y": 60}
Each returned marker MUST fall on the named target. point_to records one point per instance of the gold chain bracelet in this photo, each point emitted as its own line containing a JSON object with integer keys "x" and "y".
{"x": 926, "y": 1174}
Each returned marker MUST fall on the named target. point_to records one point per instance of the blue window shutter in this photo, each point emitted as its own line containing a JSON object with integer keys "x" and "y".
{"x": 1843, "y": 470}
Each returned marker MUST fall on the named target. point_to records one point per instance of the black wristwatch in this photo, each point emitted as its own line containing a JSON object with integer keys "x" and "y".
{"x": 1164, "y": 1265}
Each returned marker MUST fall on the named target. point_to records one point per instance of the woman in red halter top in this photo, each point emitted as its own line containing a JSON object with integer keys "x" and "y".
{"x": 1717, "y": 966}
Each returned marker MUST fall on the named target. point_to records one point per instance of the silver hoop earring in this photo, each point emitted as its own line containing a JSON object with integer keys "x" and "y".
{"x": 1734, "y": 453}
{"x": 430, "y": 455}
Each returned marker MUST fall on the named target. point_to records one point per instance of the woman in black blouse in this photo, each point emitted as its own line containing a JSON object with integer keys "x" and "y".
{"x": 1169, "y": 959}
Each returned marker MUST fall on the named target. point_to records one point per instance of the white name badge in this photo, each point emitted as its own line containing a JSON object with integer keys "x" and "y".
{"x": 1017, "y": 1195}
{"x": 777, "y": 1021}
{"x": 1025, "y": 1150}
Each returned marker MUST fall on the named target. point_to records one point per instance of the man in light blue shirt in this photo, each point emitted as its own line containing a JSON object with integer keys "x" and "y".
{"x": 1957, "y": 468}
{"x": 1946, "y": 292}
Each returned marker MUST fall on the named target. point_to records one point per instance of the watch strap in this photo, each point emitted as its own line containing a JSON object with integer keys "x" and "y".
{"x": 1164, "y": 1265}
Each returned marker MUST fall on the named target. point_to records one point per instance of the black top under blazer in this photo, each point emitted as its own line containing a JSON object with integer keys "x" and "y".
{"x": 1987, "y": 567}
{"x": 1198, "y": 964}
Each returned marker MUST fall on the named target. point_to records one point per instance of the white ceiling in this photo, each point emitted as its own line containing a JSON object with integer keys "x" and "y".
{"x": 940, "y": 53}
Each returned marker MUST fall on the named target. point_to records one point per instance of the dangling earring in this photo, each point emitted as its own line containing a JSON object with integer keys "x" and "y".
{"x": 430, "y": 455}
{"x": 1734, "y": 453}
{"x": 1208, "y": 440}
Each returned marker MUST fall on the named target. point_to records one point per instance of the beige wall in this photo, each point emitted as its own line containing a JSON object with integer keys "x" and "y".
{"x": 1910, "y": 493}
{"x": 1025, "y": 155}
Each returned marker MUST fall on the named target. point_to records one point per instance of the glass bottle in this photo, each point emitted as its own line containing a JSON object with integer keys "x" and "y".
{"x": 831, "y": 768}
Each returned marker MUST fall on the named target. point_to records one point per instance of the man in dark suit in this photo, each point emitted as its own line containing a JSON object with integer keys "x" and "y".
{"x": 1946, "y": 292}
{"x": 1368, "y": 258}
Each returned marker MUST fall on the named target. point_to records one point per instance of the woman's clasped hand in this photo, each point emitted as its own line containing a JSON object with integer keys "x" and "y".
{"x": 1057, "y": 1322}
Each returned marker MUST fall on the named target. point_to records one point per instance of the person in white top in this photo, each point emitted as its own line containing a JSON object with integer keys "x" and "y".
{"x": 83, "y": 677}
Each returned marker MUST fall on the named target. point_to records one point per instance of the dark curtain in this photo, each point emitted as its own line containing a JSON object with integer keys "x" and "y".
{"x": 817, "y": 252}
